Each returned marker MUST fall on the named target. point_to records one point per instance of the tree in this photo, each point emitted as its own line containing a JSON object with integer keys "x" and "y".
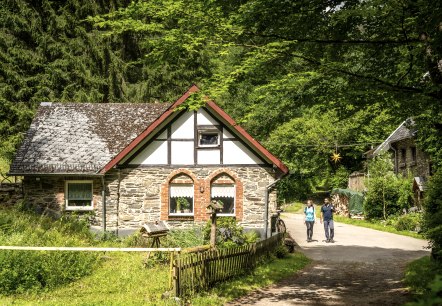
{"x": 388, "y": 194}
{"x": 433, "y": 213}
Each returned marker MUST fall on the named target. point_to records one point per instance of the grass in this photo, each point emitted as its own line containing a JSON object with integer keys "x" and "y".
{"x": 264, "y": 275}
{"x": 119, "y": 278}
{"x": 295, "y": 207}
{"x": 123, "y": 280}
{"x": 377, "y": 225}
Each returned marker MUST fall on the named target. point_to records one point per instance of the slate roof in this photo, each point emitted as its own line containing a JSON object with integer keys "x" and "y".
{"x": 405, "y": 130}
{"x": 81, "y": 137}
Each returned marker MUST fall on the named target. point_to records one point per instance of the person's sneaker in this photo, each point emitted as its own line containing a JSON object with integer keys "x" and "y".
{"x": 327, "y": 241}
{"x": 332, "y": 241}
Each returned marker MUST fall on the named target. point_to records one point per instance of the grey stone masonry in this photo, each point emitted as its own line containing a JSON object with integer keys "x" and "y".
{"x": 134, "y": 195}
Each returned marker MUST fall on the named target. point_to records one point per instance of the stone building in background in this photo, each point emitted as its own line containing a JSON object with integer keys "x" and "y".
{"x": 407, "y": 157}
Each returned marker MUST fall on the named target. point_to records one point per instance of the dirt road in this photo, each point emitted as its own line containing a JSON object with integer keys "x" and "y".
{"x": 362, "y": 267}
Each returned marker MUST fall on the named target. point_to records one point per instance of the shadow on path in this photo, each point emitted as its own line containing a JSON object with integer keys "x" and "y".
{"x": 362, "y": 276}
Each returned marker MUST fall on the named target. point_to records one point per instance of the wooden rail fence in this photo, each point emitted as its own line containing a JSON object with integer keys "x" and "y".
{"x": 196, "y": 272}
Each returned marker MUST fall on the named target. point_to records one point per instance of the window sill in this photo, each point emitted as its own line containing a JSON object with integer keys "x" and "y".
{"x": 79, "y": 208}
{"x": 225, "y": 215}
{"x": 209, "y": 147}
{"x": 180, "y": 217}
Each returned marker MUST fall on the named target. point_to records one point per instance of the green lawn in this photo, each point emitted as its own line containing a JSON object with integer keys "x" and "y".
{"x": 295, "y": 207}
{"x": 377, "y": 226}
{"x": 123, "y": 280}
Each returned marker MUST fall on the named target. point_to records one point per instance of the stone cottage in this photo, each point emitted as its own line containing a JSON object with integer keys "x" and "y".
{"x": 131, "y": 163}
{"x": 407, "y": 157}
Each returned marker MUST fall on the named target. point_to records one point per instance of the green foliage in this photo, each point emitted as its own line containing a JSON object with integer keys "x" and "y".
{"x": 424, "y": 277}
{"x": 184, "y": 238}
{"x": 388, "y": 194}
{"x": 33, "y": 271}
{"x": 380, "y": 225}
{"x": 433, "y": 211}
{"x": 229, "y": 233}
{"x": 407, "y": 222}
{"x": 434, "y": 295}
{"x": 281, "y": 251}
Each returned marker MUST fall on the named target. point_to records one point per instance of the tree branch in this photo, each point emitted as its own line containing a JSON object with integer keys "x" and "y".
{"x": 338, "y": 41}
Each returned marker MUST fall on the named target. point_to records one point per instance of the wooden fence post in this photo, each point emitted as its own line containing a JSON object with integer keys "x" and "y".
{"x": 176, "y": 277}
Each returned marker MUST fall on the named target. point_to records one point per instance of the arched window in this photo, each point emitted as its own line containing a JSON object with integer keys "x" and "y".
{"x": 223, "y": 189}
{"x": 181, "y": 196}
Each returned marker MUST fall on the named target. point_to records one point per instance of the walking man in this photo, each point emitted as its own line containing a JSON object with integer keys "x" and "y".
{"x": 327, "y": 217}
{"x": 309, "y": 220}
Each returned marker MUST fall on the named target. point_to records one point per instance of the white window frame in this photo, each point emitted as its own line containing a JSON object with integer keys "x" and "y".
{"x": 234, "y": 200}
{"x": 211, "y": 132}
{"x": 66, "y": 195}
{"x": 193, "y": 202}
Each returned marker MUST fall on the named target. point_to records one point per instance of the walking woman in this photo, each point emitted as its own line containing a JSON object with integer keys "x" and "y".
{"x": 309, "y": 212}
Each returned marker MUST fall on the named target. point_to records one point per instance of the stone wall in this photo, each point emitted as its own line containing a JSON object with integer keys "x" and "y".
{"x": 418, "y": 166}
{"x": 138, "y": 195}
{"x": 144, "y": 195}
{"x": 10, "y": 193}
{"x": 48, "y": 192}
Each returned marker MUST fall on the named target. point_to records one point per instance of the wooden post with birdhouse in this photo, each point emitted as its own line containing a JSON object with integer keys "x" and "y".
{"x": 214, "y": 207}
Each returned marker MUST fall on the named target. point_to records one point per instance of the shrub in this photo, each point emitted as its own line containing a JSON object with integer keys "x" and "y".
{"x": 229, "y": 233}
{"x": 30, "y": 271}
{"x": 281, "y": 251}
{"x": 388, "y": 194}
{"x": 408, "y": 222}
{"x": 433, "y": 211}
{"x": 434, "y": 295}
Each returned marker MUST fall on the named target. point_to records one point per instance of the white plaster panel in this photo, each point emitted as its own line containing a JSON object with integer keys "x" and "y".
{"x": 208, "y": 157}
{"x": 235, "y": 153}
{"x": 154, "y": 154}
{"x": 183, "y": 127}
{"x": 182, "y": 152}
{"x": 203, "y": 118}
{"x": 227, "y": 134}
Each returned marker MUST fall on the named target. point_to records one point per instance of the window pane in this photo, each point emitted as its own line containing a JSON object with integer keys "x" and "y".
{"x": 225, "y": 194}
{"x": 208, "y": 139}
{"x": 181, "y": 205}
{"x": 181, "y": 199}
{"x": 228, "y": 204}
{"x": 80, "y": 191}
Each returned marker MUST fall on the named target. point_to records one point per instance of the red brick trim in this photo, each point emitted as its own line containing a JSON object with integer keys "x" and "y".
{"x": 239, "y": 196}
{"x": 164, "y": 215}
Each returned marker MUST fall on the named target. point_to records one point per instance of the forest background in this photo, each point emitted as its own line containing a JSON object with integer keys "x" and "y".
{"x": 305, "y": 78}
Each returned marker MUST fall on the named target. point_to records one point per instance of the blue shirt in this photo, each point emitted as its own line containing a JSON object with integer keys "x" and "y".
{"x": 327, "y": 212}
{"x": 309, "y": 213}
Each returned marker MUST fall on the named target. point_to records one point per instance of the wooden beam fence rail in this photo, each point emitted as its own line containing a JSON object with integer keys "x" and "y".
{"x": 197, "y": 272}
{"x": 88, "y": 249}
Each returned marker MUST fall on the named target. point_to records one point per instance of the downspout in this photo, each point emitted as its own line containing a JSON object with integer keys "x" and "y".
{"x": 118, "y": 200}
{"x": 103, "y": 198}
{"x": 269, "y": 188}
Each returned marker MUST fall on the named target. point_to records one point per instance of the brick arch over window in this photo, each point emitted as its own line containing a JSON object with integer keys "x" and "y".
{"x": 227, "y": 176}
{"x": 179, "y": 176}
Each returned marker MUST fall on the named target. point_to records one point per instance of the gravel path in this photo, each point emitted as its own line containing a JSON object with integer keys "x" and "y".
{"x": 362, "y": 267}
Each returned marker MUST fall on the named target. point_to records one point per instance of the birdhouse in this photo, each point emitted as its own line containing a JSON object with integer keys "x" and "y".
{"x": 214, "y": 207}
